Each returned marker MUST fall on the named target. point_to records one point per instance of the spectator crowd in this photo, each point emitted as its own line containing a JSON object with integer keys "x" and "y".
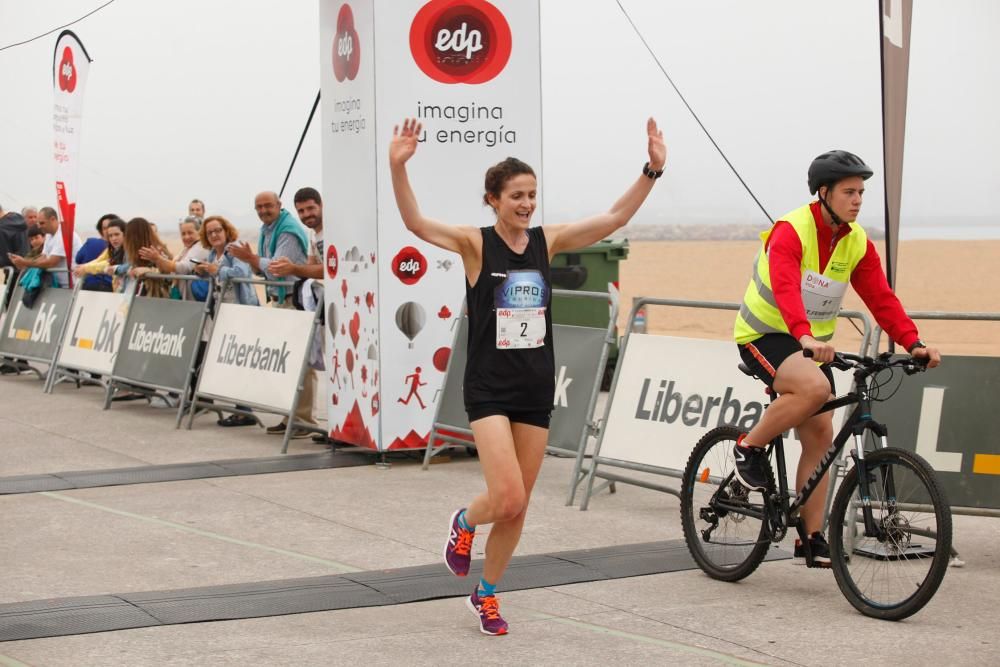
{"x": 130, "y": 255}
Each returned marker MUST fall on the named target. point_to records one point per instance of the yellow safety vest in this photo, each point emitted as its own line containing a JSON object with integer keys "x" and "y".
{"x": 822, "y": 293}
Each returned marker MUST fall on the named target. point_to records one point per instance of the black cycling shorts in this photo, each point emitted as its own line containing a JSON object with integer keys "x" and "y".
{"x": 540, "y": 418}
{"x": 764, "y": 355}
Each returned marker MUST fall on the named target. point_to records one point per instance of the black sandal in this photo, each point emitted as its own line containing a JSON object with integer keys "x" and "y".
{"x": 237, "y": 420}
{"x": 132, "y": 396}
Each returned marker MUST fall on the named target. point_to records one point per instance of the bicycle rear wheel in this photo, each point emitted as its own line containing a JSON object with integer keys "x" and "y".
{"x": 727, "y": 545}
{"x": 894, "y": 573}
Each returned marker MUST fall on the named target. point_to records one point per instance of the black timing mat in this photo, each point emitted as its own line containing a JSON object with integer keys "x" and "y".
{"x": 105, "y": 613}
{"x": 84, "y": 479}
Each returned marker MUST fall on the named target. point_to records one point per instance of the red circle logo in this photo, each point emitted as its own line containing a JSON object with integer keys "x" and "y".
{"x": 409, "y": 265}
{"x": 67, "y": 71}
{"x": 346, "y": 46}
{"x": 441, "y": 357}
{"x": 460, "y": 41}
{"x": 332, "y": 263}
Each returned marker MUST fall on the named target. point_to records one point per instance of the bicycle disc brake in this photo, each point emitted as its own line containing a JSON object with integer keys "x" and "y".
{"x": 895, "y": 533}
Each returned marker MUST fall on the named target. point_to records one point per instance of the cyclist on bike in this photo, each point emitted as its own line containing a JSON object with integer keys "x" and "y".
{"x": 799, "y": 280}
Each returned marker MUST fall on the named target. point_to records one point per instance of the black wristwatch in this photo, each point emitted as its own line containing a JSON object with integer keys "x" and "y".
{"x": 649, "y": 173}
{"x": 917, "y": 343}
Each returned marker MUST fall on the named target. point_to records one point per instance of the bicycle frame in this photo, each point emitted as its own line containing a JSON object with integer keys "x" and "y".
{"x": 859, "y": 421}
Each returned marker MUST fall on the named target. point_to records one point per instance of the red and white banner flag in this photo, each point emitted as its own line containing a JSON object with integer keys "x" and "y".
{"x": 895, "y": 23}
{"x": 70, "y": 65}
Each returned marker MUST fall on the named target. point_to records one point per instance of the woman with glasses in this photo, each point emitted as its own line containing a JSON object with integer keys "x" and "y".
{"x": 216, "y": 235}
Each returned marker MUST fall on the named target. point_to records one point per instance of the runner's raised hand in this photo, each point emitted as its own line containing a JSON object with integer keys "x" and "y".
{"x": 404, "y": 143}
{"x": 657, "y": 149}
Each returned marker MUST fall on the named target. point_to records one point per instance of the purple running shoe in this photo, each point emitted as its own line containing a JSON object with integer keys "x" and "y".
{"x": 488, "y": 610}
{"x": 458, "y": 548}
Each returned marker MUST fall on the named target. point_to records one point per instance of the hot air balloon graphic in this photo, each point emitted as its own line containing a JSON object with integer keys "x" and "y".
{"x": 410, "y": 318}
{"x": 331, "y": 319}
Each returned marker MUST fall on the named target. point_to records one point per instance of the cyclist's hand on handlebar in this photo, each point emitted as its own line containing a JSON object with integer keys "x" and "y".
{"x": 818, "y": 350}
{"x": 928, "y": 354}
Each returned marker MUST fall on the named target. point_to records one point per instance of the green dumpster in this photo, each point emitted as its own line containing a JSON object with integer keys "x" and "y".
{"x": 588, "y": 269}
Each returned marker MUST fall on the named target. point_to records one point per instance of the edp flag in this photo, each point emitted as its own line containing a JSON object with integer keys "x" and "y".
{"x": 70, "y": 65}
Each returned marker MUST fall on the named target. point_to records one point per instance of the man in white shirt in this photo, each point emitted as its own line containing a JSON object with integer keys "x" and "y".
{"x": 53, "y": 257}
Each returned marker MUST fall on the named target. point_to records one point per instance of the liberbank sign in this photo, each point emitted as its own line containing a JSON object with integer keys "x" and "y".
{"x": 670, "y": 391}
{"x": 159, "y": 342}
{"x": 256, "y": 355}
{"x": 96, "y": 323}
{"x": 34, "y": 333}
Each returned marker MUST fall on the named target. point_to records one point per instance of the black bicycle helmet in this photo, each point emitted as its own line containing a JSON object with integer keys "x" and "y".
{"x": 833, "y": 166}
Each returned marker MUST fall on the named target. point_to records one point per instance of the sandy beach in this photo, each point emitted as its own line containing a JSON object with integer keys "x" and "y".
{"x": 933, "y": 276}
{"x": 945, "y": 276}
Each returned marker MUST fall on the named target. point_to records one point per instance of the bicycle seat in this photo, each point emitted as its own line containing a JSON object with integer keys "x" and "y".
{"x": 746, "y": 371}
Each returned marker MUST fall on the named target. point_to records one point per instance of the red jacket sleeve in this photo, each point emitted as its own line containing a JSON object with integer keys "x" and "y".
{"x": 870, "y": 283}
{"x": 784, "y": 261}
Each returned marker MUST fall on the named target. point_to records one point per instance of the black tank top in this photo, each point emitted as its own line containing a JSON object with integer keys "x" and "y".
{"x": 518, "y": 379}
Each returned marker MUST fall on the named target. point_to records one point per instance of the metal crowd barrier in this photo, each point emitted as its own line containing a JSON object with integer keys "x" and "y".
{"x": 596, "y": 460}
{"x": 289, "y": 415}
{"x": 137, "y": 375}
{"x": 20, "y": 361}
{"x": 60, "y": 372}
{"x": 151, "y": 388}
{"x": 953, "y": 317}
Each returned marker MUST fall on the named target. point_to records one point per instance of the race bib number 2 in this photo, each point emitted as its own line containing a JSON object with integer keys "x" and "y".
{"x": 520, "y": 328}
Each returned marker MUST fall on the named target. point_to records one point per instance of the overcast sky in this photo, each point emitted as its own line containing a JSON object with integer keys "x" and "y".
{"x": 207, "y": 99}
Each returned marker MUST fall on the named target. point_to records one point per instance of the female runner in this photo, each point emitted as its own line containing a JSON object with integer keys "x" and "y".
{"x": 509, "y": 378}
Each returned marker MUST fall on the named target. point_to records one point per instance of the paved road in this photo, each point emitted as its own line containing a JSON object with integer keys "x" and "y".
{"x": 150, "y": 537}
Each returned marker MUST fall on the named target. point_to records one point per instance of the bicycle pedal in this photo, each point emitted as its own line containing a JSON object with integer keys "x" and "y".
{"x": 818, "y": 566}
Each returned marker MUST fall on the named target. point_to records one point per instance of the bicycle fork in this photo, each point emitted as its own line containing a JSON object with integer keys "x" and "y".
{"x": 866, "y": 479}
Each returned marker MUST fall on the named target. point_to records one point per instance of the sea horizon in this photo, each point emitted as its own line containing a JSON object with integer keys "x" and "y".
{"x": 710, "y": 229}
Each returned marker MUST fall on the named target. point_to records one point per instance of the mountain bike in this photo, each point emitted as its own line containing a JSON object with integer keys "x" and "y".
{"x": 890, "y": 523}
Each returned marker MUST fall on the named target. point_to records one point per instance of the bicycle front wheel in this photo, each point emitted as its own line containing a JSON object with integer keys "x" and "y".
{"x": 727, "y": 544}
{"x": 892, "y": 570}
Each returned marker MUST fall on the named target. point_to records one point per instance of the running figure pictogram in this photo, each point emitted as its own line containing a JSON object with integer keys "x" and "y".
{"x": 336, "y": 368}
{"x": 414, "y": 388}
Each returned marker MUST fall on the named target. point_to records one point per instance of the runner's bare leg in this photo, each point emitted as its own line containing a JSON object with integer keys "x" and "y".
{"x": 511, "y": 457}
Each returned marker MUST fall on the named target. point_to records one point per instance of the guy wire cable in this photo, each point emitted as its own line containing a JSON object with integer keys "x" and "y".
{"x": 31, "y": 39}
{"x": 698, "y": 120}
{"x": 299, "y": 147}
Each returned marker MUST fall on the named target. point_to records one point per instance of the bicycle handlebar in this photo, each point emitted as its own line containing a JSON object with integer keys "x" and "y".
{"x": 847, "y": 361}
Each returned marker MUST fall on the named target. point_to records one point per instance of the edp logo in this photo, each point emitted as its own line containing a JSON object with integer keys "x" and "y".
{"x": 345, "y": 46}
{"x": 409, "y": 265}
{"x": 459, "y": 40}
